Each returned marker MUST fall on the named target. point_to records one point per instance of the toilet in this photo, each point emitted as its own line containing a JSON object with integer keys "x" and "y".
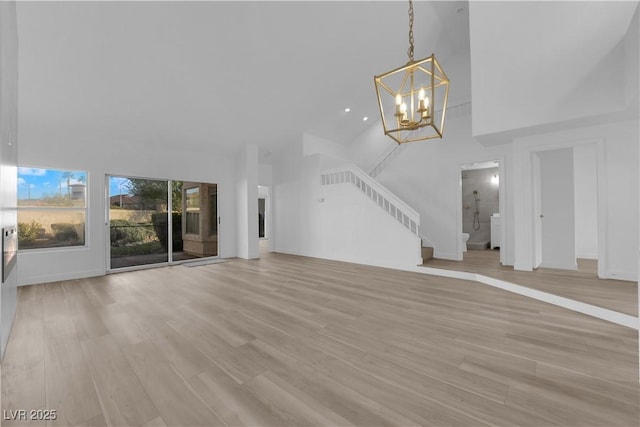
{"x": 465, "y": 237}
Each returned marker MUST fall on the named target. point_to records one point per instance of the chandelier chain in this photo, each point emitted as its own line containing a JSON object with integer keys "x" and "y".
{"x": 410, "y": 50}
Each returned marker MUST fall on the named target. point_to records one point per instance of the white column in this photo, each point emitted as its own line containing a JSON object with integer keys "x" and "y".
{"x": 247, "y": 202}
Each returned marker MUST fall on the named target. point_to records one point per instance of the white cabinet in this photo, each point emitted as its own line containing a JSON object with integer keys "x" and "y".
{"x": 496, "y": 231}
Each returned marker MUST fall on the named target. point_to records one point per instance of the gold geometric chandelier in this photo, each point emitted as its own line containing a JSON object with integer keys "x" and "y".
{"x": 413, "y": 98}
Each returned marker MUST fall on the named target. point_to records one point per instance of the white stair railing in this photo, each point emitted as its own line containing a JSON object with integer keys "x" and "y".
{"x": 380, "y": 195}
{"x": 387, "y": 158}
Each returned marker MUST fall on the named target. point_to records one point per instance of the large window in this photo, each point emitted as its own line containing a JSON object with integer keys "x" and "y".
{"x": 52, "y": 208}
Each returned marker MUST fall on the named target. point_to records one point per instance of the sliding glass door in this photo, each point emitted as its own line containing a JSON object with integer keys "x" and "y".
{"x": 138, "y": 219}
{"x": 141, "y": 231}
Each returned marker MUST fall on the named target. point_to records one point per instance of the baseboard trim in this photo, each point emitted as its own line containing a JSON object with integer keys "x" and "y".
{"x": 36, "y": 280}
{"x": 559, "y": 266}
{"x": 445, "y": 255}
{"x": 622, "y": 275}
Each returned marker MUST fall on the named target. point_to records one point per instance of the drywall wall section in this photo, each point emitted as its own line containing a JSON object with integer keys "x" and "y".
{"x": 427, "y": 176}
{"x": 632, "y": 61}
{"x": 617, "y": 189}
{"x": 332, "y": 222}
{"x": 560, "y": 77}
{"x": 585, "y": 181}
{"x": 312, "y": 144}
{"x": 287, "y": 203}
{"x": 8, "y": 154}
{"x": 247, "y": 202}
{"x": 101, "y": 154}
{"x": 353, "y": 228}
{"x": 370, "y": 147}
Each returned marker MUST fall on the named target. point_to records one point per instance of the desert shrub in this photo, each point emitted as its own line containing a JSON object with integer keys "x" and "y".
{"x": 64, "y": 232}
{"x": 125, "y": 232}
{"x": 28, "y": 232}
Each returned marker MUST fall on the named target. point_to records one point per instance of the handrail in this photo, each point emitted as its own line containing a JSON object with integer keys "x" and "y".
{"x": 387, "y": 156}
{"x": 383, "y": 197}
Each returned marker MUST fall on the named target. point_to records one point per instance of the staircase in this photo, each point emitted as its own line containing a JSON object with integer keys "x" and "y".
{"x": 351, "y": 176}
{"x": 427, "y": 253}
{"x": 390, "y": 154}
{"x": 387, "y": 157}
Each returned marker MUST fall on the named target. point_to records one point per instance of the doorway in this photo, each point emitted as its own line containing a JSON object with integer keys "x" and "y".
{"x": 261, "y": 218}
{"x": 264, "y": 220}
{"x": 155, "y": 221}
{"x": 565, "y": 207}
{"x": 481, "y": 222}
{"x": 138, "y": 218}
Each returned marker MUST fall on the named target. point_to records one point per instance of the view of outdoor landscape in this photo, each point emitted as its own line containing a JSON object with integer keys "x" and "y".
{"x": 52, "y": 212}
{"x": 139, "y": 221}
{"x": 51, "y": 208}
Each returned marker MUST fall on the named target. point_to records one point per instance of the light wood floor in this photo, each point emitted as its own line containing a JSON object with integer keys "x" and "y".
{"x": 581, "y": 285}
{"x": 293, "y": 341}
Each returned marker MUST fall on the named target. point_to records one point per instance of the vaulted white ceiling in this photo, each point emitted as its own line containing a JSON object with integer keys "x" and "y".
{"x": 218, "y": 75}
{"x": 540, "y": 63}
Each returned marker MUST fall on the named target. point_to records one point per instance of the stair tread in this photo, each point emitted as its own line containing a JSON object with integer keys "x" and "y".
{"x": 427, "y": 253}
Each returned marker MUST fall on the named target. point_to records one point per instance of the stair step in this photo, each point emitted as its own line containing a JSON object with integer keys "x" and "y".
{"x": 427, "y": 253}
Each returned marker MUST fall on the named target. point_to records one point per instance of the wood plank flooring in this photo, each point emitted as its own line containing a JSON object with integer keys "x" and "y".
{"x": 294, "y": 341}
{"x": 581, "y": 285}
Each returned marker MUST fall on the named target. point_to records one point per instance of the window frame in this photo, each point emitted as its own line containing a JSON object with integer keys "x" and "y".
{"x": 84, "y": 210}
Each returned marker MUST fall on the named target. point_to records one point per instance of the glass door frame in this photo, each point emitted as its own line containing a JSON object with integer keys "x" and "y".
{"x": 170, "y": 261}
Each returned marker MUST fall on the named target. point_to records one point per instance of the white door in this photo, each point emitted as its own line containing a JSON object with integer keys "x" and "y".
{"x": 557, "y": 211}
{"x": 537, "y": 211}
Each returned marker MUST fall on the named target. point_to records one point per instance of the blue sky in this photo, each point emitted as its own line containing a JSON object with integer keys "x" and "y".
{"x": 36, "y": 182}
{"x": 116, "y": 183}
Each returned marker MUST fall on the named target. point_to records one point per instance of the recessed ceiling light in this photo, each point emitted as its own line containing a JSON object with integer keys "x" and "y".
{"x": 346, "y": 110}
{"x": 365, "y": 118}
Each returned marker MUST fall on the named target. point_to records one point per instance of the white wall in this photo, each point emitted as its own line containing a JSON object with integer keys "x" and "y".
{"x": 247, "y": 202}
{"x": 557, "y": 204}
{"x": 586, "y": 200}
{"x": 332, "y": 222}
{"x": 312, "y": 144}
{"x": 618, "y": 194}
{"x": 632, "y": 60}
{"x": 288, "y": 191}
{"x": 370, "y": 147}
{"x": 265, "y": 174}
{"x": 100, "y": 154}
{"x": 296, "y": 189}
{"x": 352, "y": 228}
{"x": 551, "y": 77}
{"x": 8, "y": 154}
{"x": 427, "y": 176}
